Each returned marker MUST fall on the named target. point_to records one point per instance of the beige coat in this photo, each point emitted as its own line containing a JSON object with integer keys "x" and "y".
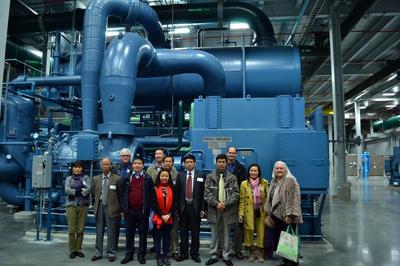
{"x": 246, "y": 205}
{"x": 286, "y": 200}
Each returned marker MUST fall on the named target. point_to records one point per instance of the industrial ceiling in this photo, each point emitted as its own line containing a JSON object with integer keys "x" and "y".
{"x": 370, "y": 32}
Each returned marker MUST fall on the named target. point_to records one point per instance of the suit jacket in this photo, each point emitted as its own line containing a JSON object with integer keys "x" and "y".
{"x": 125, "y": 174}
{"x": 239, "y": 172}
{"x": 199, "y": 203}
{"x": 113, "y": 196}
{"x": 147, "y": 190}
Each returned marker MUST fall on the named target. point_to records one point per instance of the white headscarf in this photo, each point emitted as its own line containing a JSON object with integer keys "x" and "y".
{"x": 288, "y": 173}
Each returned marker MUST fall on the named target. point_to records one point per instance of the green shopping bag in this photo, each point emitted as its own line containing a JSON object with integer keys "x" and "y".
{"x": 288, "y": 245}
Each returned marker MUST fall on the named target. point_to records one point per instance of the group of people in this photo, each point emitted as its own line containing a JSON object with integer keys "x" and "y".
{"x": 238, "y": 205}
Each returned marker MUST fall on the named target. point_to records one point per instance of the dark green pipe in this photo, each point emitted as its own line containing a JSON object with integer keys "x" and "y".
{"x": 390, "y": 123}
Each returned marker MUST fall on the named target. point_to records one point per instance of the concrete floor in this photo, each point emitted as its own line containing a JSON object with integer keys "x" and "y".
{"x": 364, "y": 231}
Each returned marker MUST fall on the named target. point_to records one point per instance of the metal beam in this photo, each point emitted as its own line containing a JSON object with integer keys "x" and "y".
{"x": 391, "y": 67}
{"x": 352, "y": 19}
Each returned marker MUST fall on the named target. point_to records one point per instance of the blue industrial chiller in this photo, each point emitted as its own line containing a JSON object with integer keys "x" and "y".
{"x": 133, "y": 92}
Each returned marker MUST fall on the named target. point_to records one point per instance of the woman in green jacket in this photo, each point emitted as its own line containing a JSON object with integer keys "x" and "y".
{"x": 253, "y": 194}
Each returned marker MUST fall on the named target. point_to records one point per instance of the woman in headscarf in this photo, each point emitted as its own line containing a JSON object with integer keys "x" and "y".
{"x": 253, "y": 194}
{"x": 282, "y": 207}
{"x": 77, "y": 190}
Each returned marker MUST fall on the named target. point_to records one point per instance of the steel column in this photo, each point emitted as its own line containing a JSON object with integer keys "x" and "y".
{"x": 338, "y": 98}
{"x": 358, "y": 133}
{"x": 332, "y": 181}
{"x": 4, "y": 11}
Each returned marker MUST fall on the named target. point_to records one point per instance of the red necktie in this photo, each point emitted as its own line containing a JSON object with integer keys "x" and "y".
{"x": 189, "y": 191}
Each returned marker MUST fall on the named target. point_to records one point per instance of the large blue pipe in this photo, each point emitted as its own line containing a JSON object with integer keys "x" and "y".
{"x": 173, "y": 62}
{"x": 118, "y": 81}
{"x": 266, "y": 71}
{"x": 122, "y": 61}
{"x": 95, "y": 23}
{"x": 26, "y": 81}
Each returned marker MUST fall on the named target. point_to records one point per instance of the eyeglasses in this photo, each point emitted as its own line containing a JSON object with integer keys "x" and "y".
{"x": 125, "y": 155}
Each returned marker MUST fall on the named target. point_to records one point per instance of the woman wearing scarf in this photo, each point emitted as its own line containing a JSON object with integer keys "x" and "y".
{"x": 77, "y": 190}
{"x": 253, "y": 194}
{"x": 282, "y": 207}
{"x": 164, "y": 206}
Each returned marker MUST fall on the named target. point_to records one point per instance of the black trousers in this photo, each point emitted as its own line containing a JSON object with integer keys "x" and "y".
{"x": 163, "y": 235}
{"x": 190, "y": 220}
{"x": 271, "y": 239}
{"x": 136, "y": 219}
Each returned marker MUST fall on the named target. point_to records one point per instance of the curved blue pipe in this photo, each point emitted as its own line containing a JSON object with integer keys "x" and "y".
{"x": 123, "y": 59}
{"x": 95, "y": 23}
{"x": 118, "y": 81}
{"x": 172, "y": 62}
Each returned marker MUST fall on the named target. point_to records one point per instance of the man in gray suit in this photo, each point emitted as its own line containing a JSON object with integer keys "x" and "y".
{"x": 106, "y": 189}
{"x": 221, "y": 192}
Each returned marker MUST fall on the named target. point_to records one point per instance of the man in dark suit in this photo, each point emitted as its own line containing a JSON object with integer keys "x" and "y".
{"x": 106, "y": 189}
{"x": 136, "y": 208}
{"x": 238, "y": 170}
{"x": 124, "y": 169}
{"x": 189, "y": 189}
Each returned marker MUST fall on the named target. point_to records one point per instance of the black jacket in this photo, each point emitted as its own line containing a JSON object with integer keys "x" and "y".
{"x": 239, "y": 172}
{"x": 156, "y": 207}
{"x": 199, "y": 202}
{"x": 147, "y": 190}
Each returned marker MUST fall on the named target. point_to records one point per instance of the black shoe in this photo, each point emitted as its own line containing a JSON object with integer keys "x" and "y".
{"x": 79, "y": 254}
{"x": 196, "y": 259}
{"x": 211, "y": 261}
{"x": 239, "y": 255}
{"x": 228, "y": 262}
{"x": 127, "y": 259}
{"x": 181, "y": 258}
{"x": 111, "y": 259}
{"x": 72, "y": 255}
{"x": 166, "y": 262}
{"x": 142, "y": 260}
{"x": 95, "y": 257}
{"x": 159, "y": 262}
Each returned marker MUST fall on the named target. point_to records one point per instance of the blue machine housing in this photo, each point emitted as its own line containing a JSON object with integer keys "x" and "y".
{"x": 392, "y": 167}
{"x": 266, "y": 130}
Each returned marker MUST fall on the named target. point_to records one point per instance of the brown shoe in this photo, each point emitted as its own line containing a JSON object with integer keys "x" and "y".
{"x": 111, "y": 259}
{"x": 175, "y": 256}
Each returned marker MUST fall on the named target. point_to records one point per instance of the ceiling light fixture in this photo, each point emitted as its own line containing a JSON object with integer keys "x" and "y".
{"x": 370, "y": 114}
{"x": 382, "y": 99}
{"x": 392, "y": 77}
{"x": 390, "y": 106}
{"x": 348, "y": 103}
{"x": 180, "y": 31}
{"x": 395, "y": 89}
{"x": 238, "y": 26}
{"x": 388, "y": 94}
